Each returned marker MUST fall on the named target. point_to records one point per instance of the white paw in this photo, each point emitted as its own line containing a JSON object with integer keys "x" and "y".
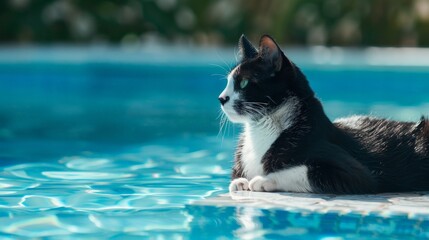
{"x": 262, "y": 184}
{"x": 239, "y": 184}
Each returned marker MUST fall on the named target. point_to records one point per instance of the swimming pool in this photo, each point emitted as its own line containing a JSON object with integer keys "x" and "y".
{"x": 117, "y": 144}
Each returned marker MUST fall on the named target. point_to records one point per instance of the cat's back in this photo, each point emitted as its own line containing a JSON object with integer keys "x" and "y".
{"x": 397, "y": 153}
{"x": 383, "y": 133}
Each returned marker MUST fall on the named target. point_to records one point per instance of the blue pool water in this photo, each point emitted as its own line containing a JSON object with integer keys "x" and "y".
{"x": 122, "y": 149}
{"x": 138, "y": 190}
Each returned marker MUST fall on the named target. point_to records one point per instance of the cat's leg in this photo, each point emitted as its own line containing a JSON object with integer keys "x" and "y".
{"x": 329, "y": 169}
{"x": 292, "y": 179}
{"x": 340, "y": 176}
{"x": 239, "y": 184}
{"x": 319, "y": 175}
{"x": 262, "y": 184}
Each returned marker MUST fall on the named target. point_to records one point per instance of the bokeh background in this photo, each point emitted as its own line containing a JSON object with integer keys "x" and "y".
{"x": 216, "y": 22}
{"x": 132, "y": 71}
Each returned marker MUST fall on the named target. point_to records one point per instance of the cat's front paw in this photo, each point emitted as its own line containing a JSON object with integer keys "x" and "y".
{"x": 262, "y": 184}
{"x": 239, "y": 184}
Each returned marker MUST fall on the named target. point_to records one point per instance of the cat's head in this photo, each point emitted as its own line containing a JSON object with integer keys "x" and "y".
{"x": 262, "y": 81}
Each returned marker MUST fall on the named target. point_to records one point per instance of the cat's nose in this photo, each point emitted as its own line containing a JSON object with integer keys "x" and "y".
{"x": 223, "y": 100}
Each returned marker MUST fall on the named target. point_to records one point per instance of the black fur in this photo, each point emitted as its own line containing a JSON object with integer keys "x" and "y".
{"x": 247, "y": 51}
{"x": 378, "y": 156}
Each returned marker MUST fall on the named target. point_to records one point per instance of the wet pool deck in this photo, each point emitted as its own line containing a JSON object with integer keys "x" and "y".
{"x": 413, "y": 205}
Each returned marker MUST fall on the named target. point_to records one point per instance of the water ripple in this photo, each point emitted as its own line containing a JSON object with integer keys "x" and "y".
{"x": 141, "y": 190}
{"x": 69, "y": 175}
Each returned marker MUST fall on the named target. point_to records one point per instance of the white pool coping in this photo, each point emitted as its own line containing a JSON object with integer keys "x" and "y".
{"x": 414, "y": 205}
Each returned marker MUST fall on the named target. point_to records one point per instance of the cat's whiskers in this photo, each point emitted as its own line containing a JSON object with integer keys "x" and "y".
{"x": 254, "y": 111}
{"x": 257, "y": 108}
{"x": 228, "y": 66}
{"x": 221, "y": 76}
{"x": 227, "y": 128}
{"x": 222, "y": 123}
{"x": 221, "y": 67}
{"x": 271, "y": 100}
{"x": 236, "y": 54}
{"x": 256, "y": 103}
{"x": 250, "y": 110}
{"x": 220, "y": 114}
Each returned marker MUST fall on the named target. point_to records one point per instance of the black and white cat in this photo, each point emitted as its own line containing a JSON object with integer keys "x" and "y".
{"x": 289, "y": 144}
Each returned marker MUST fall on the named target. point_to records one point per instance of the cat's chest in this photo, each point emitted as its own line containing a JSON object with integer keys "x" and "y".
{"x": 255, "y": 145}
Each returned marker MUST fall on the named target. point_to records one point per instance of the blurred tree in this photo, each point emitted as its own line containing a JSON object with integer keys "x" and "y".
{"x": 213, "y": 22}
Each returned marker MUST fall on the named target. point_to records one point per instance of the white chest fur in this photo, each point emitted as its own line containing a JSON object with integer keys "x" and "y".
{"x": 258, "y": 137}
{"x": 257, "y": 141}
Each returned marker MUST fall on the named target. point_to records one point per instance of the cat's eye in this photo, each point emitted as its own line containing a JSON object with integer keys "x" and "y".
{"x": 243, "y": 83}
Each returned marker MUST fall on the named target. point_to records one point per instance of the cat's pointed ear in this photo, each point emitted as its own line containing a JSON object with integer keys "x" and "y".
{"x": 246, "y": 49}
{"x": 270, "y": 52}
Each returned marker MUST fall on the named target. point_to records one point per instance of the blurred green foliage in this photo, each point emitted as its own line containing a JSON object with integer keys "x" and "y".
{"x": 216, "y": 22}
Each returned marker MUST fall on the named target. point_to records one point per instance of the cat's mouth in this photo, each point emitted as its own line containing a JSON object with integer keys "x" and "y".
{"x": 232, "y": 115}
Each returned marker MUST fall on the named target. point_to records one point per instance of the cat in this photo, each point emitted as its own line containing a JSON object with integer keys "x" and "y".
{"x": 289, "y": 144}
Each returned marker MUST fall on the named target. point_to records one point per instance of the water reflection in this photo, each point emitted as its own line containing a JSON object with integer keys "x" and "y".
{"x": 252, "y": 223}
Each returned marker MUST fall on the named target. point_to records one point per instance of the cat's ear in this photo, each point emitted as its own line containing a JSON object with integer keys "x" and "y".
{"x": 270, "y": 52}
{"x": 246, "y": 49}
